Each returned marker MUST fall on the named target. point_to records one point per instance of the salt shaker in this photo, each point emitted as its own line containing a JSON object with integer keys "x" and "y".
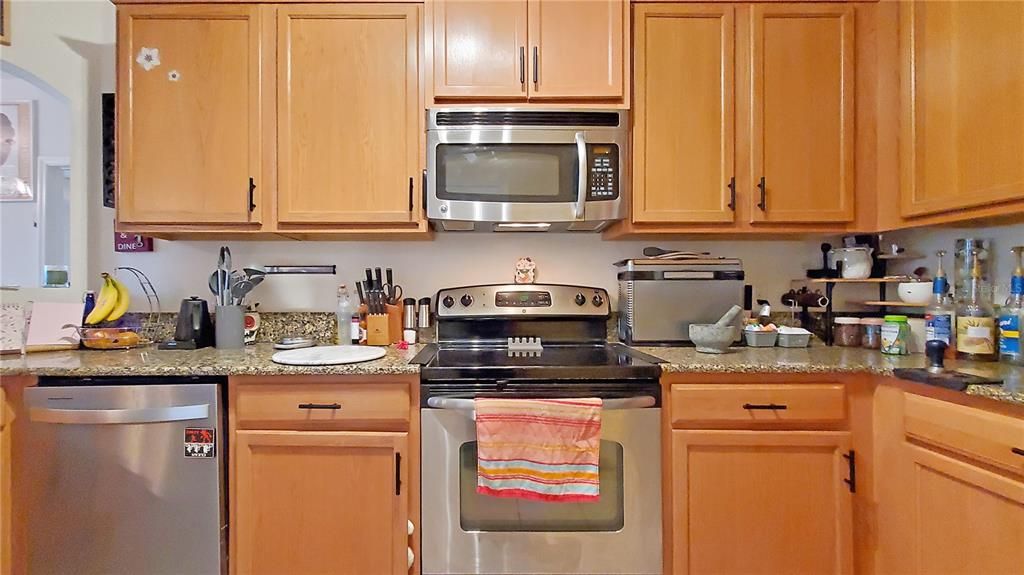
{"x": 423, "y": 318}
{"x": 409, "y": 313}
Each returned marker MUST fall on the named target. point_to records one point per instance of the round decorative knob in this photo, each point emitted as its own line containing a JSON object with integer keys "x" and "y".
{"x": 448, "y": 301}
{"x": 598, "y": 300}
{"x": 580, "y": 299}
{"x": 467, "y": 300}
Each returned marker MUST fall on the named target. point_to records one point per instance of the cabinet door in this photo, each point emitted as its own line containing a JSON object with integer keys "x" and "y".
{"x": 480, "y": 49}
{"x": 576, "y": 48}
{"x": 962, "y": 140}
{"x": 188, "y": 142}
{"x": 761, "y": 502}
{"x": 5, "y": 487}
{"x": 683, "y": 130}
{"x": 348, "y": 113}
{"x": 320, "y": 502}
{"x": 802, "y": 116}
{"x": 961, "y": 518}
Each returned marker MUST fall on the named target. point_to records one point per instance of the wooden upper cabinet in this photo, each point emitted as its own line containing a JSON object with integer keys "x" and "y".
{"x": 683, "y": 126}
{"x": 480, "y": 49}
{"x": 962, "y": 140}
{"x": 320, "y": 502}
{"x": 576, "y": 48}
{"x": 516, "y": 50}
{"x": 348, "y": 113}
{"x": 188, "y": 114}
{"x": 761, "y": 502}
{"x": 802, "y": 116}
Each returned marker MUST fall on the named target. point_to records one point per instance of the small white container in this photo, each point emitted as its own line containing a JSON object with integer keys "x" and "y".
{"x": 760, "y": 338}
{"x": 794, "y": 339}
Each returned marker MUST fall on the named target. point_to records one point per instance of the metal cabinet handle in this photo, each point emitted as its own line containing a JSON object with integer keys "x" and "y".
{"x": 1018, "y": 451}
{"x": 732, "y": 193}
{"x": 410, "y": 193}
{"x": 536, "y": 66}
{"x": 764, "y": 406}
{"x": 252, "y": 195}
{"x": 763, "y": 204}
{"x": 522, "y": 65}
{"x": 460, "y": 404}
{"x": 119, "y": 416}
{"x": 319, "y": 406}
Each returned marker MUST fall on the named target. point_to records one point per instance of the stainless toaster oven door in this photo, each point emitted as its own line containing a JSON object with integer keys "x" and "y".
{"x": 664, "y": 309}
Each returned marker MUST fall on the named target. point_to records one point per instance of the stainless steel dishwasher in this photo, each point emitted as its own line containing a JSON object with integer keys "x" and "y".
{"x": 126, "y": 475}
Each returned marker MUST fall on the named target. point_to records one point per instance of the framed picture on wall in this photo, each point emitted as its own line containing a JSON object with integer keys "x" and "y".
{"x": 16, "y": 151}
{"x": 5, "y": 22}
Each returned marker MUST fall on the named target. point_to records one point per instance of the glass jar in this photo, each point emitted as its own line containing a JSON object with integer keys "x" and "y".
{"x": 871, "y": 332}
{"x": 895, "y": 335}
{"x": 847, "y": 332}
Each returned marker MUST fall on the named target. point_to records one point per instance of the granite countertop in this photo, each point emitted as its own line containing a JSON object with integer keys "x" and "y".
{"x": 253, "y": 360}
{"x": 839, "y": 360}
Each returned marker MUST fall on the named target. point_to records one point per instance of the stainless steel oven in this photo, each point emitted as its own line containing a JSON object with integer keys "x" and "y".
{"x": 507, "y": 169}
{"x": 465, "y": 532}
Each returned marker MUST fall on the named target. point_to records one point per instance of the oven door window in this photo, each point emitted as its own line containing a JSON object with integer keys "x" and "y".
{"x": 507, "y": 172}
{"x": 486, "y": 513}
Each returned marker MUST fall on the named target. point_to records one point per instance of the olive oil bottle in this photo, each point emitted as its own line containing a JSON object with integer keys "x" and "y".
{"x": 976, "y": 320}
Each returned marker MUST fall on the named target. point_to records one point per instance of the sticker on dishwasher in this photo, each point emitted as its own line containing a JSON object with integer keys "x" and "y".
{"x": 199, "y": 442}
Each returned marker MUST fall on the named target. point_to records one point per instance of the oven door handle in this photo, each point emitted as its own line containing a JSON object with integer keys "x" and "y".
{"x": 458, "y": 404}
{"x": 581, "y": 191}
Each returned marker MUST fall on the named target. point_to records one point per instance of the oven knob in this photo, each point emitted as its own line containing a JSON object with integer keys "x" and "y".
{"x": 467, "y": 300}
{"x": 448, "y": 301}
{"x": 580, "y": 299}
{"x": 598, "y": 300}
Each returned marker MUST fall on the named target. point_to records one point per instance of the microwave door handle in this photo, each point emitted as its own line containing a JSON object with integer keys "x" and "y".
{"x": 581, "y": 192}
{"x": 458, "y": 404}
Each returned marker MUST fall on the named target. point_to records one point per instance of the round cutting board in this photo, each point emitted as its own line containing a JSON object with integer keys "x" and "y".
{"x": 329, "y": 355}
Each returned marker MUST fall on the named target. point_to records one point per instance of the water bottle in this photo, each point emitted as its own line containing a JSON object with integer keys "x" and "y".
{"x": 344, "y": 315}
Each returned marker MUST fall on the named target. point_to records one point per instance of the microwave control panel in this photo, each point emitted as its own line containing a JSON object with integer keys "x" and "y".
{"x": 603, "y": 178}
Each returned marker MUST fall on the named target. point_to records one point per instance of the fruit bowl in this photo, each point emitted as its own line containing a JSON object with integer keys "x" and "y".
{"x": 112, "y": 338}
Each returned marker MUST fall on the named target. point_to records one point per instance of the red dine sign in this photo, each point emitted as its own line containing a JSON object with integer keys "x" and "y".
{"x": 132, "y": 243}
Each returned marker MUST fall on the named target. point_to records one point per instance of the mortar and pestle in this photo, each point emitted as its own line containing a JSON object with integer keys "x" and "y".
{"x": 716, "y": 337}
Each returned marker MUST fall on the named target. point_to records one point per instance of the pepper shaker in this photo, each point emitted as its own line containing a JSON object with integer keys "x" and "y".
{"x": 409, "y": 313}
{"x": 423, "y": 318}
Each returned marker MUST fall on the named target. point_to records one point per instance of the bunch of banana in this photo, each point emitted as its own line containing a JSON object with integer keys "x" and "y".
{"x": 112, "y": 302}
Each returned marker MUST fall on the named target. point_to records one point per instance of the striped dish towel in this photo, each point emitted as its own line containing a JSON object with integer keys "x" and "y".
{"x": 539, "y": 449}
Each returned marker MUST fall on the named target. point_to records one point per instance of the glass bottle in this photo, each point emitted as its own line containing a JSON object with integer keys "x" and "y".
{"x": 344, "y": 315}
{"x": 1011, "y": 316}
{"x": 976, "y": 321}
{"x": 940, "y": 315}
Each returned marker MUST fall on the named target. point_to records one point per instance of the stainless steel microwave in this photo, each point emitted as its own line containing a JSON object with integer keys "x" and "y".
{"x": 509, "y": 169}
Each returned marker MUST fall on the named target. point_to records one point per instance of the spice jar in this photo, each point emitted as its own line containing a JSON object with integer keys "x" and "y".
{"x": 847, "y": 332}
{"x": 895, "y": 335}
{"x": 871, "y": 332}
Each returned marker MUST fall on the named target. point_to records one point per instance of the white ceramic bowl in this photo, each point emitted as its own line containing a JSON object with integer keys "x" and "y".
{"x": 915, "y": 292}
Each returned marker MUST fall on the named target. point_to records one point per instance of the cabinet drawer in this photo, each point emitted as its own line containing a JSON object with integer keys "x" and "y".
{"x": 739, "y": 405}
{"x": 987, "y": 437}
{"x": 327, "y": 406}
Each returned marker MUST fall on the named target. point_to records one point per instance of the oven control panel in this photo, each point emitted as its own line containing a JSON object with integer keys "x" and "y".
{"x": 506, "y": 300}
{"x": 603, "y": 172}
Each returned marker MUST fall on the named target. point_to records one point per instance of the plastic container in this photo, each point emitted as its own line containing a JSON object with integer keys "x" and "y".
{"x": 848, "y": 332}
{"x": 871, "y": 332}
{"x": 760, "y": 338}
{"x": 895, "y": 335}
{"x": 112, "y": 338}
{"x": 794, "y": 339}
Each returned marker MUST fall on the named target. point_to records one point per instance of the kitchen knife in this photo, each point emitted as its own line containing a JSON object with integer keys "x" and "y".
{"x": 378, "y": 281}
{"x": 389, "y": 276}
{"x": 369, "y": 280}
{"x": 362, "y": 296}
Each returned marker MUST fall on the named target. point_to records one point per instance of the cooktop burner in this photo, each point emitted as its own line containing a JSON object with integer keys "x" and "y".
{"x": 600, "y": 361}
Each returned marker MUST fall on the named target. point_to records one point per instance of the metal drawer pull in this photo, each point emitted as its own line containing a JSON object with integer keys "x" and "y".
{"x": 764, "y": 406}
{"x": 319, "y": 406}
{"x": 1017, "y": 450}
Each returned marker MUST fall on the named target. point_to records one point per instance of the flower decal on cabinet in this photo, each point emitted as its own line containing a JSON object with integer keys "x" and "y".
{"x": 173, "y": 76}
{"x": 148, "y": 58}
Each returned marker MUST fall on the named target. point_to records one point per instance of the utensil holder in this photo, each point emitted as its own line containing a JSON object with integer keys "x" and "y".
{"x": 394, "y": 323}
{"x": 378, "y": 329}
{"x": 229, "y": 327}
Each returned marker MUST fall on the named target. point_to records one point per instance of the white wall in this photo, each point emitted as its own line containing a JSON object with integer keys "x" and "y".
{"x": 20, "y": 262}
{"x": 180, "y": 269}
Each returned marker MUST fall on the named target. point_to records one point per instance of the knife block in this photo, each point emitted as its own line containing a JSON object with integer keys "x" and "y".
{"x": 377, "y": 329}
{"x": 395, "y": 313}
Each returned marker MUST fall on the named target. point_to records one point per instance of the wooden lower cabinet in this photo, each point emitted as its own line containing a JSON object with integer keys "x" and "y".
{"x": 316, "y": 502}
{"x": 761, "y": 502}
{"x": 5, "y": 486}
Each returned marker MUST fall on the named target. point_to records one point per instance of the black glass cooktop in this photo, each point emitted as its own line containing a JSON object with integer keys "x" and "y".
{"x": 600, "y": 361}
